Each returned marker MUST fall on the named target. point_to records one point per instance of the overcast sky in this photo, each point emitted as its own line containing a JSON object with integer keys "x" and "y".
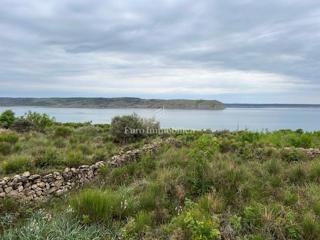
{"x": 233, "y": 51}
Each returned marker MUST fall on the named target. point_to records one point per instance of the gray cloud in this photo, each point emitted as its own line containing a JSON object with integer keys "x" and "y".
{"x": 234, "y": 50}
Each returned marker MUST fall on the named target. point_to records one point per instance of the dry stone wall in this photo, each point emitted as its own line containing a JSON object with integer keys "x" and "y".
{"x": 30, "y": 187}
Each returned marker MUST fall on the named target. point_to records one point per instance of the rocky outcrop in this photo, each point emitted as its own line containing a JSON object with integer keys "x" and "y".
{"x": 30, "y": 187}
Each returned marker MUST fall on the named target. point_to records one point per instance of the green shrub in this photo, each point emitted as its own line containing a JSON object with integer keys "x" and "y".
{"x": 22, "y": 125}
{"x": 103, "y": 206}
{"x": 196, "y": 224}
{"x": 126, "y": 129}
{"x": 293, "y": 155}
{"x": 7, "y": 118}
{"x": 5, "y": 148}
{"x": 136, "y": 226}
{"x": 152, "y": 197}
{"x": 40, "y": 121}
{"x": 9, "y": 138}
{"x": 16, "y": 164}
{"x": 47, "y": 157}
{"x": 315, "y": 172}
{"x": 297, "y": 174}
{"x": 272, "y": 221}
{"x": 63, "y": 132}
{"x": 310, "y": 227}
{"x": 74, "y": 159}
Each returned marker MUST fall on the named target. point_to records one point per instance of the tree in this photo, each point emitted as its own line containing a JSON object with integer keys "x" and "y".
{"x": 131, "y": 128}
{"x": 7, "y": 118}
{"x": 40, "y": 121}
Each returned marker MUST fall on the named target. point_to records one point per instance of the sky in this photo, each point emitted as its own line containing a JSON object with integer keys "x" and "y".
{"x": 243, "y": 51}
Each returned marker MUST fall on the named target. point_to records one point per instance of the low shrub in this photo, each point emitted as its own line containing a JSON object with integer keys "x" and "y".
{"x": 47, "y": 157}
{"x": 310, "y": 227}
{"x": 22, "y": 125}
{"x": 314, "y": 173}
{"x": 9, "y": 138}
{"x": 7, "y": 118}
{"x": 40, "y": 121}
{"x": 297, "y": 174}
{"x": 74, "y": 159}
{"x": 292, "y": 155}
{"x": 272, "y": 221}
{"x": 63, "y": 132}
{"x": 137, "y": 226}
{"x": 5, "y": 148}
{"x": 16, "y": 164}
{"x": 194, "y": 223}
{"x": 103, "y": 206}
{"x": 126, "y": 129}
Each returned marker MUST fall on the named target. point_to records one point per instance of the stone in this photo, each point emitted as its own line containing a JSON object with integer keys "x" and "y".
{"x": 13, "y": 193}
{"x": 2, "y": 195}
{"x": 26, "y": 174}
{"x": 8, "y": 189}
{"x": 60, "y": 192}
{"x": 51, "y": 190}
{"x": 41, "y": 184}
{"x": 34, "y": 177}
{"x": 20, "y": 188}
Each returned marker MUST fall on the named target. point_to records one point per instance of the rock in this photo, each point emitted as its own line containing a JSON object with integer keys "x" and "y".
{"x": 41, "y": 184}
{"x": 13, "y": 193}
{"x": 60, "y": 192}
{"x": 20, "y": 188}
{"x": 2, "y": 195}
{"x": 8, "y": 189}
{"x": 51, "y": 190}
{"x": 26, "y": 174}
{"x": 34, "y": 177}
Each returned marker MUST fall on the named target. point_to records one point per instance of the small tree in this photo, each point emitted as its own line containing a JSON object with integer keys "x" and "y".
{"x": 131, "y": 128}
{"x": 22, "y": 125}
{"x": 40, "y": 121}
{"x": 7, "y": 118}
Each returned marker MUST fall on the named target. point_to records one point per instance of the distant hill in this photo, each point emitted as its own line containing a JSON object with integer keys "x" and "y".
{"x": 124, "y": 102}
{"x": 270, "y": 105}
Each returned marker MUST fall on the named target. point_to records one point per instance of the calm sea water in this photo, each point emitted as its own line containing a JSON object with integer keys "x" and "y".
{"x": 230, "y": 118}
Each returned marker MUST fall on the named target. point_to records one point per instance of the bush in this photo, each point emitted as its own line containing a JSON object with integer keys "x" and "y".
{"x": 47, "y": 157}
{"x": 74, "y": 159}
{"x": 40, "y": 121}
{"x": 5, "y": 148}
{"x": 63, "y": 131}
{"x": 196, "y": 224}
{"x": 102, "y": 206}
{"x": 292, "y": 155}
{"x": 7, "y": 118}
{"x": 126, "y": 129}
{"x": 9, "y": 138}
{"x": 22, "y": 125}
{"x": 274, "y": 221}
{"x": 16, "y": 164}
{"x": 136, "y": 227}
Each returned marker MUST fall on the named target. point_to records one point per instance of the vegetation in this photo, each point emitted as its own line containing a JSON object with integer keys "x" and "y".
{"x": 215, "y": 185}
{"x": 6, "y": 119}
{"x": 113, "y": 103}
{"x": 126, "y": 129}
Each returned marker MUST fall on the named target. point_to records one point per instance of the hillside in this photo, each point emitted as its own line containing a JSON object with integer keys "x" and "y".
{"x": 113, "y": 103}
